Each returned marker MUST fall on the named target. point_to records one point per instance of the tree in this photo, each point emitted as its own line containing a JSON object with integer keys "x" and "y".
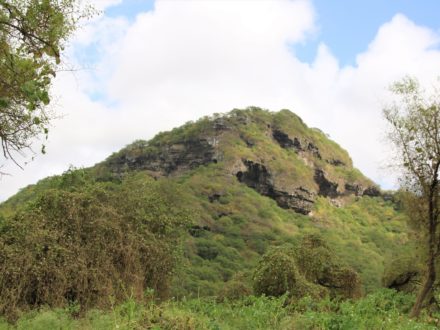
{"x": 414, "y": 120}
{"x": 33, "y": 34}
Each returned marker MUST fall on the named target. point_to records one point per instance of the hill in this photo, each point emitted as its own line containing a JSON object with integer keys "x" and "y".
{"x": 215, "y": 194}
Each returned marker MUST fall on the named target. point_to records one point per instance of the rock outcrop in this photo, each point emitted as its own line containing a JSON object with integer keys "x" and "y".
{"x": 192, "y": 146}
{"x": 186, "y": 155}
{"x": 355, "y": 189}
{"x": 326, "y": 187}
{"x": 285, "y": 142}
{"x": 295, "y": 144}
{"x": 371, "y": 191}
{"x": 259, "y": 178}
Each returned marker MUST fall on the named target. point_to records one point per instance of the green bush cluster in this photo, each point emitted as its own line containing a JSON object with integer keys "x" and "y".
{"x": 85, "y": 242}
{"x": 310, "y": 269}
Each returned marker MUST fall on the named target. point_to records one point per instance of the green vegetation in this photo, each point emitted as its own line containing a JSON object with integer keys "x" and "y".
{"x": 33, "y": 34}
{"x": 309, "y": 269}
{"x": 167, "y": 227}
{"x": 385, "y": 309}
{"x": 415, "y": 135}
{"x": 82, "y": 244}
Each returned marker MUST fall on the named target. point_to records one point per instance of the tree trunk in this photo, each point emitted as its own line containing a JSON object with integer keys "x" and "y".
{"x": 427, "y": 288}
{"x": 431, "y": 275}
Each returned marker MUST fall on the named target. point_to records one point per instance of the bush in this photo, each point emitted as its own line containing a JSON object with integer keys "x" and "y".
{"x": 236, "y": 288}
{"x": 311, "y": 269}
{"x": 319, "y": 264}
{"x": 277, "y": 273}
{"x": 85, "y": 247}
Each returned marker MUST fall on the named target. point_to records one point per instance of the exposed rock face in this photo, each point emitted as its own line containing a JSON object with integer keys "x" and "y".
{"x": 326, "y": 187}
{"x": 285, "y": 142}
{"x": 300, "y": 200}
{"x": 220, "y": 124}
{"x": 372, "y": 192}
{"x": 313, "y": 150}
{"x": 204, "y": 147}
{"x": 336, "y": 162}
{"x": 355, "y": 189}
{"x": 259, "y": 178}
{"x": 183, "y": 156}
{"x": 249, "y": 142}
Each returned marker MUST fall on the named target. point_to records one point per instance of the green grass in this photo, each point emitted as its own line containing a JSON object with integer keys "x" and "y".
{"x": 385, "y": 309}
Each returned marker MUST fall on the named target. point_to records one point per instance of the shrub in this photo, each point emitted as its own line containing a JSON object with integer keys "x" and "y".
{"x": 277, "y": 273}
{"x": 319, "y": 264}
{"x": 84, "y": 247}
{"x": 238, "y": 287}
{"x": 311, "y": 269}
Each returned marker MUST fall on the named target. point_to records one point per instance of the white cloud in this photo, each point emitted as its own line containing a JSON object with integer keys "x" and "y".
{"x": 193, "y": 58}
{"x": 358, "y": 94}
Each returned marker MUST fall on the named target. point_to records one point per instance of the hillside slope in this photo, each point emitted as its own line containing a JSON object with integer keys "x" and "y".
{"x": 276, "y": 154}
{"x": 252, "y": 179}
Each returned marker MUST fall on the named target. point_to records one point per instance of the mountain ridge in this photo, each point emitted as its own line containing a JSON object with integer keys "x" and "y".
{"x": 209, "y": 140}
{"x": 251, "y": 179}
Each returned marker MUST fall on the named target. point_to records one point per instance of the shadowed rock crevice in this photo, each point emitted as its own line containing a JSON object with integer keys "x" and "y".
{"x": 355, "y": 189}
{"x": 285, "y": 142}
{"x": 198, "y": 231}
{"x": 336, "y": 162}
{"x": 259, "y": 178}
{"x": 372, "y": 192}
{"x": 313, "y": 150}
{"x": 326, "y": 187}
{"x": 405, "y": 282}
{"x": 300, "y": 200}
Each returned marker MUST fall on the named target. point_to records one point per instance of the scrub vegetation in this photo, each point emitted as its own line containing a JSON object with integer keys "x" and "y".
{"x": 248, "y": 220}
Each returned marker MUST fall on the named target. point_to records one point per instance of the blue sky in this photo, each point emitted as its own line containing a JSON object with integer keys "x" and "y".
{"x": 130, "y": 8}
{"x": 345, "y": 26}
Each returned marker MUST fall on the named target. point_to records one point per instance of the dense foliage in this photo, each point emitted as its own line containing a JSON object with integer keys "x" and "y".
{"x": 91, "y": 238}
{"x": 82, "y": 244}
{"x": 33, "y": 34}
{"x": 309, "y": 269}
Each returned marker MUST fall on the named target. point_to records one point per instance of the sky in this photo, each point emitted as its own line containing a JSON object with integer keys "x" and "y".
{"x": 145, "y": 66}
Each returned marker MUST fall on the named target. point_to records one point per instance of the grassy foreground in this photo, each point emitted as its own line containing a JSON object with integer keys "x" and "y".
{"x": 384, "y": 309}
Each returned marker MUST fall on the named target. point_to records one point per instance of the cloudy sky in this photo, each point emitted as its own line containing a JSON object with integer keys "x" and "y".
{"x": 145, "y": 66}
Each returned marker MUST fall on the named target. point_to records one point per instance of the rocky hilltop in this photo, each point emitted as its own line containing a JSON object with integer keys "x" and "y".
{"x": 275, "y": 154}
{"x": 234, "y": 185}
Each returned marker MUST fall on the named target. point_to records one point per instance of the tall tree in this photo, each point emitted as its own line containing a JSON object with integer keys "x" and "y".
{"x": 415, "y": 133}
{"x": 33, "y": 34}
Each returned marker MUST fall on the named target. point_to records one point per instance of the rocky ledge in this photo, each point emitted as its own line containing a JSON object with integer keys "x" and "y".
{"x": 257, "y": 176}
{"x": 182, "y": 156}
